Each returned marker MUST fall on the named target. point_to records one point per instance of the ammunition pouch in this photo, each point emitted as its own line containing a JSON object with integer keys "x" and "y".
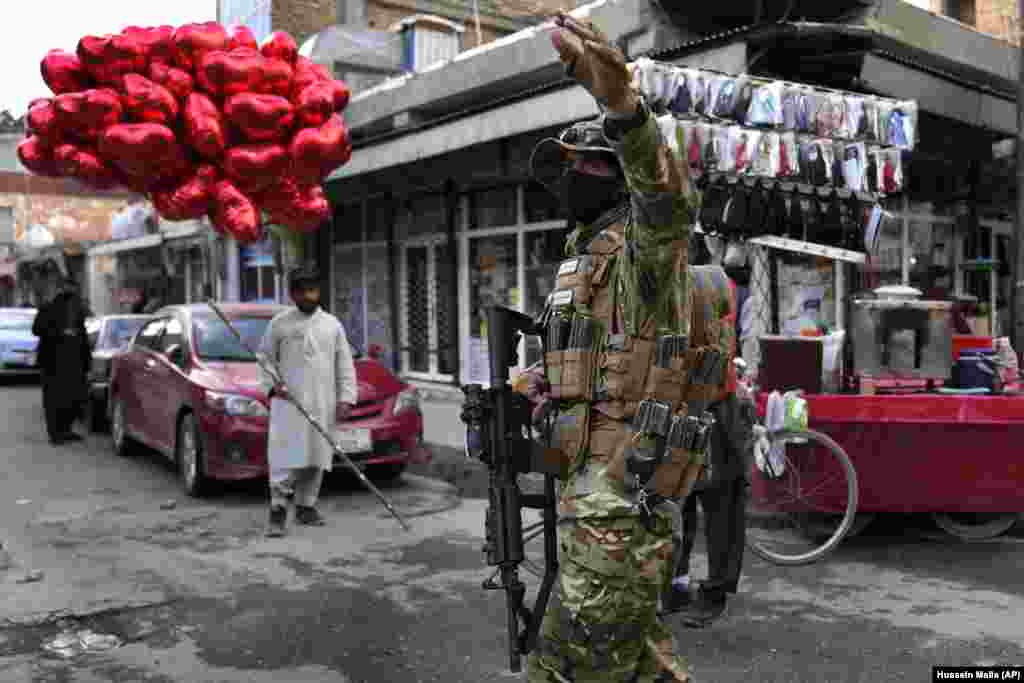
{"x": 667, "y": 453}
{"x": 584, "y": 276}
{"x": 577, "y": 370}
{"x": 568, "y": 438}
{"x": 626, "y": 363}
{"x": 704, "y": 372}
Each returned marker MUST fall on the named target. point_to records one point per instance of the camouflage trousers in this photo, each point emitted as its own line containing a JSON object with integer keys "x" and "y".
{"x": 601, "y": 625}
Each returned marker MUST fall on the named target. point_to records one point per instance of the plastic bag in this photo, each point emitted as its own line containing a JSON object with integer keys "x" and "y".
{"x": 890, "y": 171}
{"x": 855, "y": 158}
{"x": 743, "y": 144}
{"x": 771, "y": 458}
{"x": 795, "y": 412}
{"x": 765, "y": 104}
{"x": 765, "y": 161}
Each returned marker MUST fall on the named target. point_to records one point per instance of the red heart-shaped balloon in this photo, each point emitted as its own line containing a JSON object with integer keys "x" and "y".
{"x": 85, "y": 115}
{"x": 315, "y": 105}
{"x": 192, "y": 41}
{"x": 253, "y": 167}
{"x": 63, "y": 72}
{"x": 241, "y": 36}
{"x": 108, "y": 58}
{"x": 141, "y": 149}
{"x": 41, "y": 120}
{"x": 261, "y": 118}
{"x": 178, "y": 81}
{"x": 305, "y": 210}
{"x": 223, "y": 74}
{"x": 280, "y": 45}
{"x": 157, "y": 42}
{"x": 190, "y": 199}
{"x": 308, "y": 73}
{"x": 234, "y": 213}
{"x": 37, "y": 156}
{"x": 83, "y": 163}
{"x": 149, "y": 102}
{"x": 204, "y": 126}
{"x": 277, "y": 77}
{"x": 315, "y": 152}
{"x": 341, "y": 94}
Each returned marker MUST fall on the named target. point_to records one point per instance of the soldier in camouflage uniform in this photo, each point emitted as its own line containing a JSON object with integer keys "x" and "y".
{"x": 631, "y": 209}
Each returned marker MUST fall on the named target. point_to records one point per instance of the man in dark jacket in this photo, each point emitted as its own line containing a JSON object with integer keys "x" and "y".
{"x": 64, "y": 360}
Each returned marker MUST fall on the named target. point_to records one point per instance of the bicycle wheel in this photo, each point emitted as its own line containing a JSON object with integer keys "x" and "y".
{"x": 803, "y": 497}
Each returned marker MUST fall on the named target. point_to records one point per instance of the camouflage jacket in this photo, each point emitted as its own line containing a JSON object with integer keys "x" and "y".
{"x": 661, "y": 213}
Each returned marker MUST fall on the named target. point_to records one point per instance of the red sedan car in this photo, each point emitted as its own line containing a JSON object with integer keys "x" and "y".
{"x": 186, "y": 388}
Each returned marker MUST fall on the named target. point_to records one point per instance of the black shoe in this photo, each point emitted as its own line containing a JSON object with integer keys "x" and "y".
{"x": 676, "y": 600}
{"x": 708, "y": 607}
{"x": 58, "y": 440}
{"x": 71, "y": 436}
{"x": 278, "y": 519}
{"x": 308, "y": 516}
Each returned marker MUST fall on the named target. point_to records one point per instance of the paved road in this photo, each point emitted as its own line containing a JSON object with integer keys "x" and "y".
{"x": 196, "y": 594}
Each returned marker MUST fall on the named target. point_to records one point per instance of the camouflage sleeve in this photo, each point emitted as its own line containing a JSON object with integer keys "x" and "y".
{"x": 654, "y": 279}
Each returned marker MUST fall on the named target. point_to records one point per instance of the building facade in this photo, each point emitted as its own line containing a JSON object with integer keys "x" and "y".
{"x": 437, "y": 217}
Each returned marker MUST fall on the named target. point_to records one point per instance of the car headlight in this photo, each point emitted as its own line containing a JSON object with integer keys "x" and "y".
{"x": 233, "y": 404}
{"x": 408, "y": 399}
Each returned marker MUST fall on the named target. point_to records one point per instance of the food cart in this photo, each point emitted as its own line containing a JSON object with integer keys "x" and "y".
{"x": 809, "y": 184}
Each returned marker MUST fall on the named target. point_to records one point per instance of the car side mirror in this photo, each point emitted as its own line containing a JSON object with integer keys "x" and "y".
{"x": 176, "y": 354}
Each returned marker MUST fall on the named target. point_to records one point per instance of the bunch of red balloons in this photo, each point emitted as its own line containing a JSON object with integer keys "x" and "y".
{"x": 200, "y": 119}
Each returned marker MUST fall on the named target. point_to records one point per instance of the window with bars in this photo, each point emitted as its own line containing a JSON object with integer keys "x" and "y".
{"x": 429, "y": 322}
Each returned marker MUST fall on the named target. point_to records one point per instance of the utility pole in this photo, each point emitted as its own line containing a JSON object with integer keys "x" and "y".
{"x": 1017, "y": 291}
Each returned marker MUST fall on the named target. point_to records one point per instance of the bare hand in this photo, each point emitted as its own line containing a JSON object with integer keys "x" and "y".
{"x": 344, "y": 410}
{"x": 591, "y": 59}
{"x": 281, "y": 392}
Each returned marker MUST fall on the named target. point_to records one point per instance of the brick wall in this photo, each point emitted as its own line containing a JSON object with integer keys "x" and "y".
{"x": 998, "y": 18}
{"x": 303, "y": 18}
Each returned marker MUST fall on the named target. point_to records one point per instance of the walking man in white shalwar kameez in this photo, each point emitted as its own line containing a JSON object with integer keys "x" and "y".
{"x": 310, "y": 348}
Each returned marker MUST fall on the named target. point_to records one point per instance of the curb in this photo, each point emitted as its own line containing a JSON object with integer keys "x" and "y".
{"x": 430, "y": 484}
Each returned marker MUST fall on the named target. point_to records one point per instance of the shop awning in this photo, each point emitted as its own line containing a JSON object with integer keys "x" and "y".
{"x": 129, "y": 244}
{"x": 550, "y": 109}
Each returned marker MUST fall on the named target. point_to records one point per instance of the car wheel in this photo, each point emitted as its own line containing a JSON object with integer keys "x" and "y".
{"x": 189, "y": 456}
{"x": 386, "y": 472}
{"x": 97, "y": 416}
{"x": 118, "y": 432}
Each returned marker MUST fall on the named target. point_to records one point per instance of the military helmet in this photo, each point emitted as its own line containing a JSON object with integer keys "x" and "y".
{"x": 549, "y": 160}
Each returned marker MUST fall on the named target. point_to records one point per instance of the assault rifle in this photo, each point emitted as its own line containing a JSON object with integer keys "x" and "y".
{"x": 498, "y": 434}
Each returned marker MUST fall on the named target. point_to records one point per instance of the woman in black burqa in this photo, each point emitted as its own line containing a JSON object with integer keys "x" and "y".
{"x": 64, "y": 360}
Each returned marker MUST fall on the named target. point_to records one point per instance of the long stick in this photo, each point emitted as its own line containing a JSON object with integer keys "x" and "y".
{"x": 274, "y": 372}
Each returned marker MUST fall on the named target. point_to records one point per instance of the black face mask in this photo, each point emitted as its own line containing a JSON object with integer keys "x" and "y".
{"x": 588, "y": 196}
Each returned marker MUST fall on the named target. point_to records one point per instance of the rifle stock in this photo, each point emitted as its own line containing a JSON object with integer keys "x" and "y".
{"x": 497, "y": 417}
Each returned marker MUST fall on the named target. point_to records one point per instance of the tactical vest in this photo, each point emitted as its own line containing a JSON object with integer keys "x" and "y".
{"x": 595, "y": 358}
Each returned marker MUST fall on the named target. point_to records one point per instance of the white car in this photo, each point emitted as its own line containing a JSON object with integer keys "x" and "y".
{"x": 18, "y": 346}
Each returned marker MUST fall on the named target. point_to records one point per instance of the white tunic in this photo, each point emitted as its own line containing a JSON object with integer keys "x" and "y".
{"x": 314, "y": 357}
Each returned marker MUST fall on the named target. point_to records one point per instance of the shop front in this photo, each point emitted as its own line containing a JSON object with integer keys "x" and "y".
{"x": 150, "y": 263}
{"x": 429, "y": 231}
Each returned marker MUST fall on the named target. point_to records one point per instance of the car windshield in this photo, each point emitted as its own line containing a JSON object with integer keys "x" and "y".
{"x": 17, "y": 323}
{"x": 119, "y": 331}
{"x": 214, "y": 341}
